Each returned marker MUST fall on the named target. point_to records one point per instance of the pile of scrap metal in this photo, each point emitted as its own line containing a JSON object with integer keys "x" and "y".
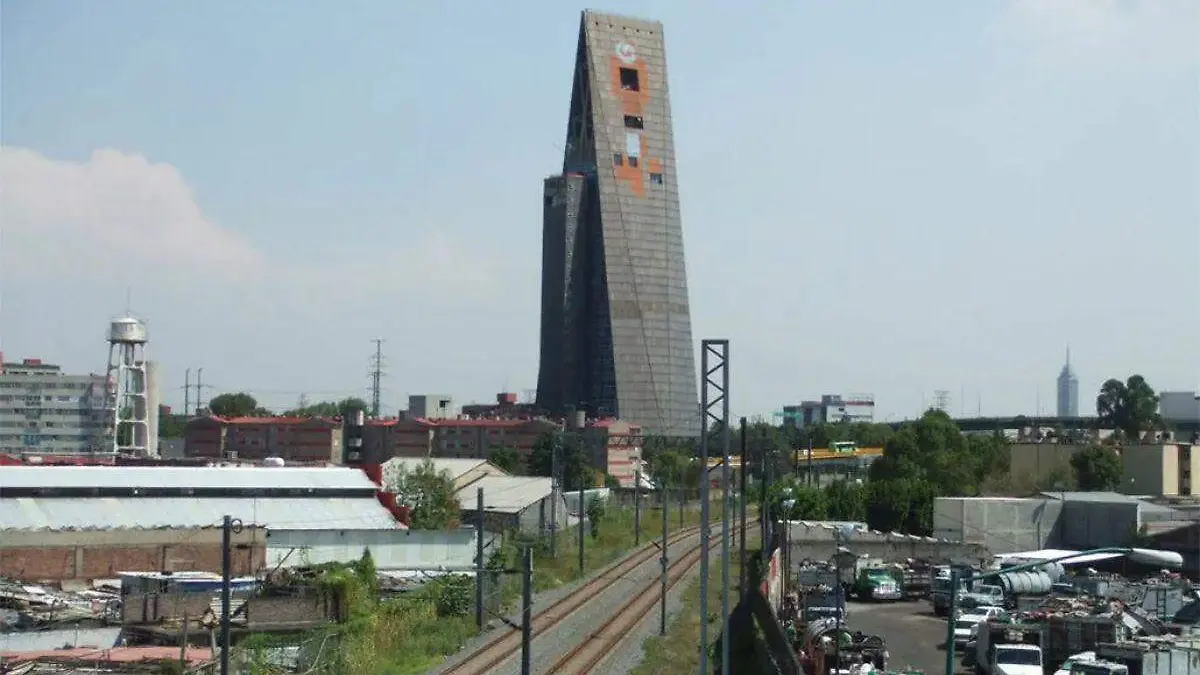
{"x": 830, "y": 649}
{"x": 1061, "y": 627}
{"x": 28, "y": 607}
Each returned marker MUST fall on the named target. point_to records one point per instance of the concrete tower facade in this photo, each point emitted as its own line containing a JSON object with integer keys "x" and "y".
{"x": 616, "y": 333}
{"x": 1068, "y": 390}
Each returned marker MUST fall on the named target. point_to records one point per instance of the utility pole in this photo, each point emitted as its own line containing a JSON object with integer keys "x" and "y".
{"x": 582, "y": 515}
{"x": 229, "y": 527}
{"x": 555, "y": 486}
{"x": 199, "y": 388}
{"x": 526, "y": 610}
{"x": 637, "y": 507}
{"x": 376, "y": 376}
{"x": 742, "y": 509}
{"x": 662, "y": 605}
{"x": 187, "y": 393}
{"x": 726, "y": 533}
{"x": 479, "y": 559}
{"x": 714, "y": 360}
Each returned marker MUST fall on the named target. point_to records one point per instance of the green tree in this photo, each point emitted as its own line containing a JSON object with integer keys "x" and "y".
{"x": 171, "y": 425}
{"x": 239, "y": 404}
{"x": 595, "y": 513}
{"x": 329, "y": 408}
{"x": 1131, "y": 406}
{"x": 669, "y": 468}
{"x": 934, "y": 450}
{"x": 901, "y": 505}
{"x": 506, "y": 459}
{"x": 1097, "y": 468}
{"x": 573, "y": 463}
{"x": 429, "y": 494}
{"x": 847, "y": 501}
{"x": 810, "y": 501}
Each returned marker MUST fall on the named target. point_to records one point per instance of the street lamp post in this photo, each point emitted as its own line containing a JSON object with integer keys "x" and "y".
{"x": 1145, "y": 555}
{"x": 788, "y": 504}
{"x": 840, "y": 533}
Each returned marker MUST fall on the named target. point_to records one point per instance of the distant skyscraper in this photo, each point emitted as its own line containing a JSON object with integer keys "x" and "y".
{"x": 1068, "y": 390}
{"x": 616, "y": 326}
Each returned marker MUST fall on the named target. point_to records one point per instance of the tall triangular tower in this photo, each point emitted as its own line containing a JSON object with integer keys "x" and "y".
{"x": 616, "y": 322}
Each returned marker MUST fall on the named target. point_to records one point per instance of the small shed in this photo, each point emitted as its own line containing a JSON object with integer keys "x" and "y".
{"x": 514, "y": 503}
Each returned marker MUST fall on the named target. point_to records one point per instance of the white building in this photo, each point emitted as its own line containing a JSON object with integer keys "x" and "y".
{"x": 832, "y": 409}
{"x": 46, "y": 411}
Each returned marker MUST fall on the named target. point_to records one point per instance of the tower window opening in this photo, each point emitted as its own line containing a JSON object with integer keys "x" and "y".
{"x": 617, "y": 159}
{"x": 633, "y": 161}
{"x": 656, "y": 178}
{"x": 629, "y": 80}
{"x": 633, "y": 122}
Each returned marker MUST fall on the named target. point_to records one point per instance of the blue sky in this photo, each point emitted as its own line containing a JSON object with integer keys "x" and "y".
{"x": 877, "y": 197}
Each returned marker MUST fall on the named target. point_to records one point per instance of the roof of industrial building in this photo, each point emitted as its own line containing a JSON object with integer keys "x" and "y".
{"x": 1089, "y": 496}
{"x": 454, "y": 466}
{"x": 505, "y": 494}
{"x": 291, "y": 478}
{"x": 148, "y": 513}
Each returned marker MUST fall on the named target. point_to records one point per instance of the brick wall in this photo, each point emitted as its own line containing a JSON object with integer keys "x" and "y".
{"x": 67, "y": 563}
{"x": 279, "y": 612}
{"x": 149, "y": 608}
{"x": 261, "y": 612}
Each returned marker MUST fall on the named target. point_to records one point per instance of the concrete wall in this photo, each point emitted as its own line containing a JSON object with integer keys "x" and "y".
{"x": 1001, "y": 524}
{"x": 1006, "y": 525}
{"x": 816, "y": 541}
{"x": 102, "y": 554}
{"x": 1034, "y": 462}
{"x": 1096, "y": 524}
{"x": 391, "y": 549}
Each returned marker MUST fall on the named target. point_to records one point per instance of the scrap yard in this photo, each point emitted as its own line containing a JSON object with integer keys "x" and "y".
{"x": 852, "y": 615}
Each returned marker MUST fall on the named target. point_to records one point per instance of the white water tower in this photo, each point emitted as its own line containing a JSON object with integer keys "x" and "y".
{"x": 132, "y": 398}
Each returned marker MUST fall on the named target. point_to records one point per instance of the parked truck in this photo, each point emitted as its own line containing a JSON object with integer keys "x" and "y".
{"x": 1149, "y": 657}
{"x": 999, "y": 652}
{"x": 876, "y": 582}
{"x": 1058, "y": 637}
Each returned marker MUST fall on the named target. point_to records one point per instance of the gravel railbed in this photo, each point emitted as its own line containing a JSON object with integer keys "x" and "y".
{"x": 630, "y": 652}
{"x": 593, "y": 615}
{"x": 555, "y": 642}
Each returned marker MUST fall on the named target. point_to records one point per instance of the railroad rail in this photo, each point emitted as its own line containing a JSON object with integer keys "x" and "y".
{"x": 597, "y": 645}
{"x": 508, "y": 645}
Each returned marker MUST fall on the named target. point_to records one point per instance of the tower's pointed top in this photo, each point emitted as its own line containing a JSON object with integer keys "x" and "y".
{"x": 1068, "y": 356}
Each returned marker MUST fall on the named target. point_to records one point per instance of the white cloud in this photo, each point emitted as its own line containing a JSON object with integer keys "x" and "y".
{"x": 1106, "y": 33}
{"x": 63, "y": 222}
{"x": 76, "y": 218}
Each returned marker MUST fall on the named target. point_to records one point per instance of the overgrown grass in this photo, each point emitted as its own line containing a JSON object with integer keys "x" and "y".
{"x": 401, "y": 636}
{"x": 678, "y": 651}
{"x": 616, "y": 537}
{"x": 407, "y": 635}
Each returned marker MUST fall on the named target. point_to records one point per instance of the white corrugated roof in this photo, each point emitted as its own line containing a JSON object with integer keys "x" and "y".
{"x": 505, "y": 494}
{"x": 454, "y": 466}
{"x": 105, "y": 513}
{"x": 316, "y": 478}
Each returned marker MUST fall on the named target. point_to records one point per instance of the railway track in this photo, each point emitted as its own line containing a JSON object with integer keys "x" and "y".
{"x": 508, "y": 645}
{"x": 589, "y": 653}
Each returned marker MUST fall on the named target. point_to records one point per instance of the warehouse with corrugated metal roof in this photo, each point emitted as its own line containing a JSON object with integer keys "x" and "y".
{"x": 79, "y": 523}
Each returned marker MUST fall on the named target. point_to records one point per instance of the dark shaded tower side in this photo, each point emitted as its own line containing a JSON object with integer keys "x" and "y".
{"x": 616, "y": 326}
